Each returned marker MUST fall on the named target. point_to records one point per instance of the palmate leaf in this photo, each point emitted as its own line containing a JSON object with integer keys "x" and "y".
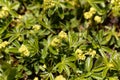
{"x": 8, "y": 72}
{"x": 32, "y": 41}
{"x": 65, "y": 65}
{"x": 4, "y": 27}
{"x": 48, "y": 76}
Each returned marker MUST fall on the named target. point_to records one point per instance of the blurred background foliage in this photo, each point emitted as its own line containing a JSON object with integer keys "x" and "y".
{"x": 59, "y": 39}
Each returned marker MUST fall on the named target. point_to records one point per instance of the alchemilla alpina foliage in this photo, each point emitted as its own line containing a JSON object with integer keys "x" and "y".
{"x": 59, "y": 39}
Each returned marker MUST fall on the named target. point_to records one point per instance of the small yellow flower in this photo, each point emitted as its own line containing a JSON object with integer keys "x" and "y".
{"x": 26, "y": 53}
{"x": 110, "y": 65}
{"x": 55, "y": 42}
{"x": 62, "y": 35}
{"x": 112, "y": 1}
{"x": 3, "y": 13}
{"x": 98, "y": 19}
{"x": 5, "y": 8}
{"x": 78, "y": 51}
{"x": 6, "y": 43}
{"x": 81, "y": 56}
{"x": 87, "y": 15}
{"x": 31, "y": 31}
{"x": 36, "y": 78}
{"x": 3, "y": 44}
{"x": 60, "y": 77}
{"x": 93, "y": 53}
{"x": 92, "y": 10}
{"x": 36, "y": 27}
{"x": 23, "y": 49}
{"x": 44, "y": 66}
{"x": 48, "y": 4}
{"x": 20, "y": 16}
{"x": 20, "y": 38}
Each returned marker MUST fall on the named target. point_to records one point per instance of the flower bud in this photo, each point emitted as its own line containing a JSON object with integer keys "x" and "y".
{"x": 23, "y": 49}
{"x": 55, "y": 42}
{"x": 36, "y": 78}
{"x": 36, "y": 27}
{"x": 87, "y": 15}
{"x": 78, "y": 51}
{"x": 60, "y": 77}
{"x": 62, "y": 35}
{"x": 98, "y": 19}
{"x": 92, "y": 10}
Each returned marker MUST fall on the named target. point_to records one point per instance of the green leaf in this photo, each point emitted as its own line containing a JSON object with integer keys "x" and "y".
{"x": 4, "y": 27}
{"x": 61, "y": 67}
{"x": 107, "y": 49}
{"x": 97, "y": 76}
{"x": 11, "y": 39}
{"x": 88, "y": 64}
{"x": 44, "y": 53}
{"x": 12, "y": 49}
{"x": 98, "y": 9}
{"x": 67, "y": 70}
{"x": 71, "y": 58}
{"x": 104, "y": 56}
{"x": 53, "y": 51}
{"x": 12, "y": 74}
{"x": 104, "y": 73}
{"x": 99, "y": 69}
{"x": 60, "y": 13}
{"x": 72, "y": 65}
{"x": 99, "y": 1}
{"x": 15, "y": 5}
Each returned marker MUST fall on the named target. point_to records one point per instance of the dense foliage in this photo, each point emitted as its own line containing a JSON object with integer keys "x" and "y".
{"x": 59, "y": 39}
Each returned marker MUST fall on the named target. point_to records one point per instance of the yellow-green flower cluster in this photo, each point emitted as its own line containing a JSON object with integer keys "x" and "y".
{"x": 44, "y": 66}
{"x": 91, "y": 52}
{"x": 55, "y": 42}
{"x": 36, "y": 27}
{"x": 4, "y": 12}
{"x": 20, "y": 38}
{"x": 23, "y": 49}
{"x": 3, "y": 44}
{"x": 98, "y": 19}
{"x": 36, "y": 78}
{"x": 115, "y": 1}
{"x": 110, "y": 65}
{"x": 62, "y": 35}
{"x": 87, "y": 15}
{"x": 115, "y": 7}
{"x": 20, "y": 16}
{"x": 90, "y": 13}
{"x": 72, "y": 2}
{"x": 92, "y": 10}
{"x": 48, "y": 4}
{"x": 79, "y": 54}
{"x": 60, "y": 77}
